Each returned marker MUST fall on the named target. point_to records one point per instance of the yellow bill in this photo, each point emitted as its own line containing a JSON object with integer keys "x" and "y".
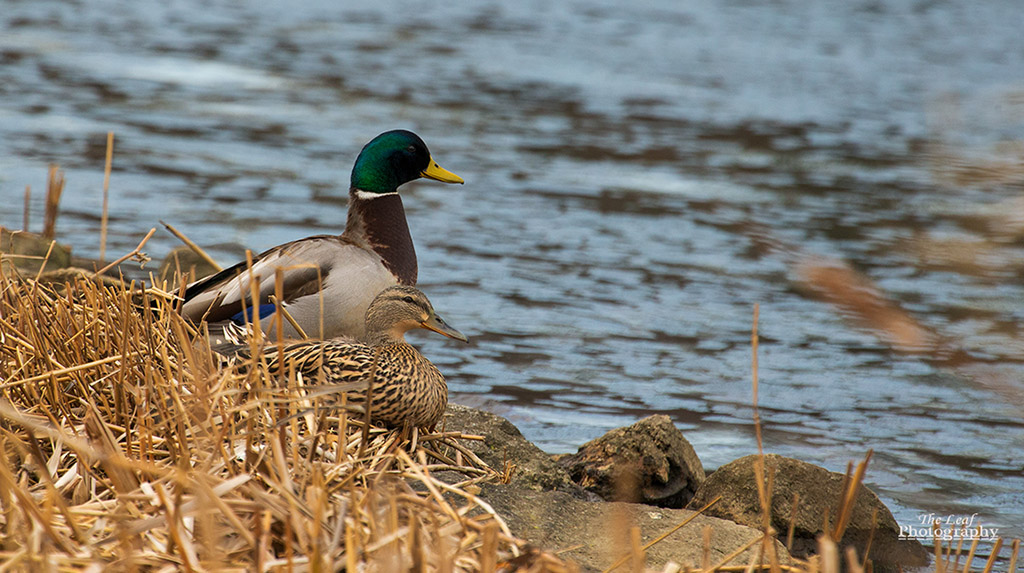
{"x": 438, "y": 173}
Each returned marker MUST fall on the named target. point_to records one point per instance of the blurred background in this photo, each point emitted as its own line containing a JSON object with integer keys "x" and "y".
{"x": 637, "y": 180}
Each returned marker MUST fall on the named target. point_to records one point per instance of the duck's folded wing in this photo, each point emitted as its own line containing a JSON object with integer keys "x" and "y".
{"x": 334, "y": 364}
{"x": 305, "y": 265}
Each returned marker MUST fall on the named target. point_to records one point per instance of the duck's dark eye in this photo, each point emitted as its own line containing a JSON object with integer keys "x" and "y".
{"x": 411, "y": 149}
{"x": 408, "y": 299}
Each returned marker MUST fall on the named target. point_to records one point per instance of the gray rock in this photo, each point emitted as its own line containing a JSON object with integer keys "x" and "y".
{"x": 596, "y": 534}
{"x": 649, "y": 462}
{"x": 820, "y": 492}
{"x": 505, "y": 448}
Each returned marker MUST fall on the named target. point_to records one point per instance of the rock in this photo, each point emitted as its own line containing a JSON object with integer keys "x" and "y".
{"x": 649, "y": 462}
{"x": 505, "y": 448}
{"x": 71, "y": 275}
{"x": 596, "y": 534}
{"x": 820, "y": 491}
{"x": 185, "y": 262}
{"x": 26, "y": 251}
{"x": 543, "y": 506}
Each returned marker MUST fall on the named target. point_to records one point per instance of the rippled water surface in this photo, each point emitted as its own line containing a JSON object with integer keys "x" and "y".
{"x": 637, "y": 180}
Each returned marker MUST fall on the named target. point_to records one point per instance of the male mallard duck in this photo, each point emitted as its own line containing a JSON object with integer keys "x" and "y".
{"x": 336, "y": 274}
{"x": 406, "y": 389}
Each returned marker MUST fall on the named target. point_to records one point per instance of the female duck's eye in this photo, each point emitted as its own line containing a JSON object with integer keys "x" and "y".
{"x": 408, "y": 299}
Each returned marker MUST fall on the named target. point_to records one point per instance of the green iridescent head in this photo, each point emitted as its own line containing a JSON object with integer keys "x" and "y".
{"x": 394, "y": 158}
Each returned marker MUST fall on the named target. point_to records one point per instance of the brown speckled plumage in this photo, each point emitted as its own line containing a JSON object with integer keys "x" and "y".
{"x": 406, "y": 387}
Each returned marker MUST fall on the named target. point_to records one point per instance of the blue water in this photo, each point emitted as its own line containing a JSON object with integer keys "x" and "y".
{"x": 623, "y": 168}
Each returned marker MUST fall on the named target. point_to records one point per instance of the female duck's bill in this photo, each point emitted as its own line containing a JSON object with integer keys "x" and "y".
{"x": 438, "y": 325}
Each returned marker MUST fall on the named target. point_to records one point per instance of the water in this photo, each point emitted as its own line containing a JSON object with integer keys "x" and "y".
{"x": 637, "y": 180}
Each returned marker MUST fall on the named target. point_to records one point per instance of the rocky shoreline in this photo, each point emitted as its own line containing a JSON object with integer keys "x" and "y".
{"x": 570, "y": 503}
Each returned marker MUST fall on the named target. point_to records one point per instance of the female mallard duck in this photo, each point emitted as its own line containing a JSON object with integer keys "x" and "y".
{"x": 330, "y": 280}
{"x": 405, "y": 388}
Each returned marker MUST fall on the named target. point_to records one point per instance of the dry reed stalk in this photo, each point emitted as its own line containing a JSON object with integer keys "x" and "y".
{"x": 54, "y": 190}
{"x": 828, "y": 555}
{"x": 488, "y": 559}
{"x": 1011, "y": 567}
{"x": 106, "y": 195}
{"x": 851, "y": 487}
{"x": 191, "y": 245}
{"x": 124, "y": 442}
{"x": 720, "y": 566}
{"x": 705, "y": 561}
{"x": 763, "y": 493}
{"x": 853, "y": 565}
{"x": 792, "y": 520}
{"x": 871, "y": 538}
{"x": 993, "y": 555}
{"x": 937, "y": 544}
{"x": 970, "y": 555}
{"x": 136, "y": 254}
{"x": 637, "y": 555}
{"x": 765, "y": 484}
{"x": 25, "y": 213}
{"x": 46, "y": 259}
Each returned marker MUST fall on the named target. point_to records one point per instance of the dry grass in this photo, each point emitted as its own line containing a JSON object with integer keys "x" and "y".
{"x": 126, "y": 444}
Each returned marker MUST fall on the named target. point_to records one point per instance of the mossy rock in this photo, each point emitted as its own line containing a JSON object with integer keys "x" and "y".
{"x": 819, "y": 491}
{"x": 184, "y": 262}
{"x": 26, "y": 252}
